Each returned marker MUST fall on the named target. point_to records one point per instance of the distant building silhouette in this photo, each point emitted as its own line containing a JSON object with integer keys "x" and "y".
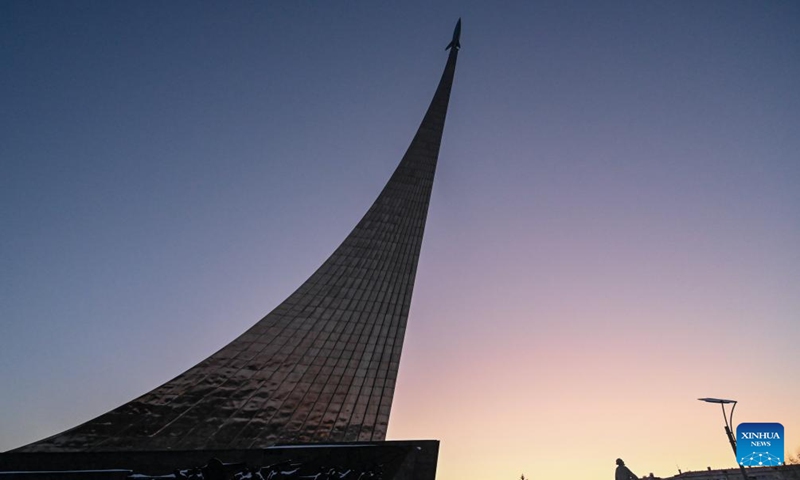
{"x": 781, "y": 472}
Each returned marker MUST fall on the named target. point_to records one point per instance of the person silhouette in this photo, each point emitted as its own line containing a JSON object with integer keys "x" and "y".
{"x": 623, "y": 472}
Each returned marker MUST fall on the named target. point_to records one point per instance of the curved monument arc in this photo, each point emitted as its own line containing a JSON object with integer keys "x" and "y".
{"x": 322, "y": 366}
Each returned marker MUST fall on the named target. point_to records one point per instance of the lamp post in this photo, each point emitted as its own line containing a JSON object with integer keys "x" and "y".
{"x": 728, "y": 425}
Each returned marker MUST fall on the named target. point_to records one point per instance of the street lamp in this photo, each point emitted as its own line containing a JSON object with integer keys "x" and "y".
{"x": 728, "y": 425}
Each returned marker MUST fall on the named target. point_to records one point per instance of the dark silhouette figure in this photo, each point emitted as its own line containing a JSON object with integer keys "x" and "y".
{"x": 623, "y": 472}
{"x": 214, "y": 470}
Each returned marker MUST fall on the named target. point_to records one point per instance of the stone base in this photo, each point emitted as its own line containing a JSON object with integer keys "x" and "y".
{"x": 393, "y": 460}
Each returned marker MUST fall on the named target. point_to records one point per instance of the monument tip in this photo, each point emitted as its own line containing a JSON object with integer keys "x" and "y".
{"x": 455, "y": 43}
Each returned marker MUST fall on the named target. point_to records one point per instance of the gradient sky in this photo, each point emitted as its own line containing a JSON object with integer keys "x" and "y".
{"x": 614, "y": 229}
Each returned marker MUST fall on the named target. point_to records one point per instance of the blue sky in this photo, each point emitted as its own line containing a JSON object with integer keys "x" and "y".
{"x": 614, "y": 229}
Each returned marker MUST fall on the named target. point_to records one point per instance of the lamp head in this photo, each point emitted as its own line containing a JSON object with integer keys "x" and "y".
{"x": 716, "y": 400}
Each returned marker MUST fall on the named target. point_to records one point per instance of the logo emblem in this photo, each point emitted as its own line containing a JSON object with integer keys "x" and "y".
{"x": 759, "y": 444}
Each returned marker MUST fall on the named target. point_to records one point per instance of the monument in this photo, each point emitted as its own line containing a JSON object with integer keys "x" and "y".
{"x": 319, "y": 369}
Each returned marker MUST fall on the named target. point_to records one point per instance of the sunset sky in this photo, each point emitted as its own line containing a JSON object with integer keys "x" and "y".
{"x": 614, "y": 229}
